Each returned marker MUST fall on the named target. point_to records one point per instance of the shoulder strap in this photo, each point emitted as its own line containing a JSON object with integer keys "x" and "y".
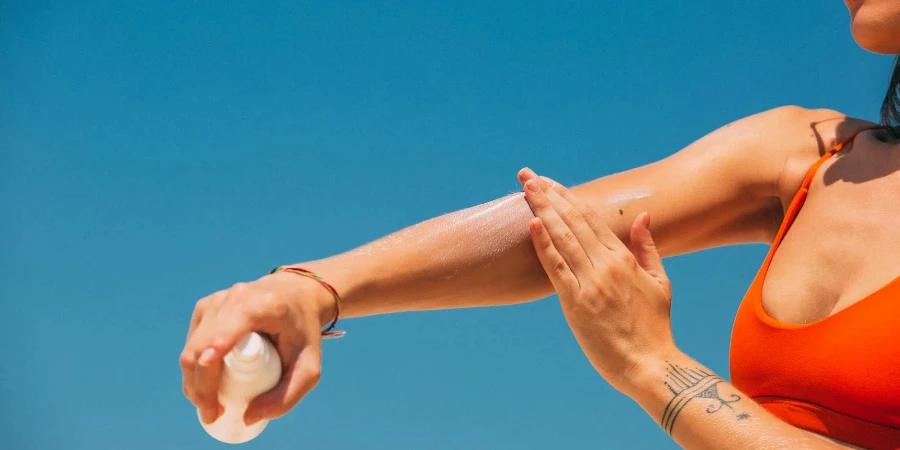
{"x": 815, "y": 167}
{"x": 800, "y": 196}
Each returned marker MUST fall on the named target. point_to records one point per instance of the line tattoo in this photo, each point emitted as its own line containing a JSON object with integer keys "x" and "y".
{"x": 688, "y": 384}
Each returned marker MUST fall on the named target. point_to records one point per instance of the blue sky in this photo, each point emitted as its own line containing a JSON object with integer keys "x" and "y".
{"x": 154, "y": 152}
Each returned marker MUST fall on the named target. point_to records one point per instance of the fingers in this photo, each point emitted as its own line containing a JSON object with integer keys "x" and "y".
{"x": 300, "y": 375}
{"x": 594, "y": 224}
{"x": 597, "y": 223}
{"x": 207, "y": 377}
{"x": 563, "y": 280}
{"x": 214, "y": 332}
{"x": 558, "y": 193}
{"x": 213, "y": 343}
{"x": 586, "y": 224}
{"x": 187, "y": 359}
{"x": 571, "y": 236}
{"x": 202, "y": 374}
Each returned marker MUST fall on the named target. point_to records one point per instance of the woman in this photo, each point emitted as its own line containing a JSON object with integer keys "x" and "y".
{"x": 798, "y": 372}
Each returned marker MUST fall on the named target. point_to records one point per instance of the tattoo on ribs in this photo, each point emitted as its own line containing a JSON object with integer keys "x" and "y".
{"x": 688, "y": 384}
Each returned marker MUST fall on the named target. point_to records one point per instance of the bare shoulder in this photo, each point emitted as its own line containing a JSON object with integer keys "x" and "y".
{"x": 801, "y": 136}
{"x": 761, "y": 160}
{"x": 767, "y": 154}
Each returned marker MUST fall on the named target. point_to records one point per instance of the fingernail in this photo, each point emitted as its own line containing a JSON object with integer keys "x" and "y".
{"x": 533, "y": 186}
{"x": 538, "y": 226}
{"x": 207, "y": 356}
{"x": 250, "y": 419}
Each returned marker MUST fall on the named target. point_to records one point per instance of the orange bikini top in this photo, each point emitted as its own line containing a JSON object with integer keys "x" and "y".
{"x": 838, "y": 377}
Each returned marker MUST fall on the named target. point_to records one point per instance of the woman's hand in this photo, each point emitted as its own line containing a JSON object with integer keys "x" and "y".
{"x": 617, "y": 300}
{"x": 290, "y": 309}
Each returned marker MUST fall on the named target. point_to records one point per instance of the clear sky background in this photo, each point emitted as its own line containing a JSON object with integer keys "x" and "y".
{"x": 154, "y": 152}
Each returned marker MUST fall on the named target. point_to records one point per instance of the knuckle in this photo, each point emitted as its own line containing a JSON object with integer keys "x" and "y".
{"x": 205, "y": 399}
{"x": 278, "y": 411}
{"x": 560, "y": 267}
{"x": 601, "y": 287}
{"x": 210, "y": 302}
{"x": 544, "y": 239}
{"x": 186, "y": 360}
{"x": 545, "y": 243}
{"x": 238, "y": 288}
{"x": 590, "y": 215}
{"x": 614, "y": 270}
{"x": 595, "y": 285}
{"x": 587, "y": 293}
{"x": 567, "y": 238}
{"x": 586, "y": 303}
{"x": 281, "y": 407}
{"x": 628, "y": 260}
{"x": 268, "y": 306}
{"x": 254, "y": 312}
{"x": 584, "y": 296}
{"x": 618, "y": 275}
{"x": 277, "y": 308}
{"x": 570, "y": 214}
{"x": 313, "y": 374}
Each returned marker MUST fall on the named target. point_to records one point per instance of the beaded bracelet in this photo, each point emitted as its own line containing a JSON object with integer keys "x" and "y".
{"x": 329, "y": 332}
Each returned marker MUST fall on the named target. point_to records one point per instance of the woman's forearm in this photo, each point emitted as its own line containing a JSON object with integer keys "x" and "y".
{"x": 479, "y": 256}
{"x": 702, "y": 411}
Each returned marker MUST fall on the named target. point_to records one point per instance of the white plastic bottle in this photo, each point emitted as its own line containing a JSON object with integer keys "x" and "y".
{"x": 251, "y": 368}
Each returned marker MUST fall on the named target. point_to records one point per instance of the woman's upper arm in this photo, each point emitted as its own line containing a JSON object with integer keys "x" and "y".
{"x": 729, "y": 187}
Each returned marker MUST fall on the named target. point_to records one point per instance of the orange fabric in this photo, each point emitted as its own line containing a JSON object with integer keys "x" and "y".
{"x": 840, "y": 376}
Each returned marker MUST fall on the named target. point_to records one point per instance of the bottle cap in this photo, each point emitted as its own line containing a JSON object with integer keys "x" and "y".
{"x": 249, "y": 348}
{"x": 248, "y": 355}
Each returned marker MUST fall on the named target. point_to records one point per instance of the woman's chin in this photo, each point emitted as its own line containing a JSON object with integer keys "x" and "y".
{"x": 876, "y": 33}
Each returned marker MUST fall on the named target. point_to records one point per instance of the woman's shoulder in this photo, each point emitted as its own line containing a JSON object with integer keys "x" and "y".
{"x": 820, "y": 128}
{"x": 808, "y": 131}
{"x": 800, "y": 136}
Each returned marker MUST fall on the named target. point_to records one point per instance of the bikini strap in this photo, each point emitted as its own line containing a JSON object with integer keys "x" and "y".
{"x": 800, "y": 197}
{"x": 840, "y": 146}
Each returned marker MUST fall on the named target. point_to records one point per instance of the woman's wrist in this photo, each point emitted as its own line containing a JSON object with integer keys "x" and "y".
{"x": 306, "y": 292}
{"x": 341, "y": 273}
{"x": 647, "y": 377}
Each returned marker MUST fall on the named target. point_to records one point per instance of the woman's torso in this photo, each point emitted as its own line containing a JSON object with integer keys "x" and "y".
{"x": 817, "y": 339}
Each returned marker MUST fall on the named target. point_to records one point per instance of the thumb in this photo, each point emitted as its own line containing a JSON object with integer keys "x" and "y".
{"x": 301, "y": 370}
{"x": 644, "y": 249}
